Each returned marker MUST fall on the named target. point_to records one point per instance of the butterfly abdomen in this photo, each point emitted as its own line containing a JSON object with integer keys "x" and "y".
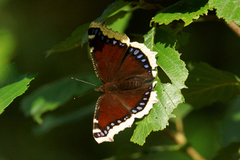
{"x": 125, "y": 85}
{"x": 130, "y": 84}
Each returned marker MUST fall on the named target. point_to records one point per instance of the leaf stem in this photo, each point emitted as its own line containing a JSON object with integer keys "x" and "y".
{"x": 234, "y": 27}
{"x": 180, "y": 138}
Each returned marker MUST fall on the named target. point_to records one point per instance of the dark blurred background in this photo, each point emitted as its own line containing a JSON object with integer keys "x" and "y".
{"x": 35, "y": 27}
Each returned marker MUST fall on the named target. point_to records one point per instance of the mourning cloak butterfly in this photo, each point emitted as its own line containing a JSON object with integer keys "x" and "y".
{"x": 127, "y": 71}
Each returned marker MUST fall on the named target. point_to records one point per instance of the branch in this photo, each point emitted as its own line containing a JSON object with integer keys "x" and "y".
{"x": 180, "y": 138}
{"x": 234, "y": 27}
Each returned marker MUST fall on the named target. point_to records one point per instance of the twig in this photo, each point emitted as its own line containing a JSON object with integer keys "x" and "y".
{"x": 194, "y": 154}
{"x": 180, "y": 138}
{"x": 234, "y": 27}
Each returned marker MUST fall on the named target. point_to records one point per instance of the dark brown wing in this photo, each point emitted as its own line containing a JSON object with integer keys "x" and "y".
{"x": 107, "y": 49}
{"x": 116, "y": 111}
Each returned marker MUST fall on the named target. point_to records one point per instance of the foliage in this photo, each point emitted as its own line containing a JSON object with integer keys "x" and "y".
{"x": 168, "y": 94}
{"x": 51, "y": 96}
{"x": 13, "y": 85}
{"x": 184, "y": 91}
{"x": 228, "y": 10}
{"x": 205, "y": 88}
{"x": 184, "y": 10}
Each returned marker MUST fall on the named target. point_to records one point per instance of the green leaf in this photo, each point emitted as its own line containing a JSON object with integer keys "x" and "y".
{"x": 231, "y": 152}
{"x": 207, "y": 85}
{"x": 227, "y": 9}
{"x": 118, "y": 20}
{"x": 14, "y": 85}
{"x": 112, "y": 9}
{"x": 7, "y": 46}
{"x": 231, "y": 119}
{"x": 156, "y": 35}
{"x": 79, "y": 36}
{"x": 184, "y": 10}
{"x": 169, "y": 95}
{"x": 202, "y": 130}
{"x": 176, "y": 30}
{"x": 182, "y": 111}
{"x": 51, "y": 96}
{"x": 113, "y": 18}
{"x": 116, "y": 15}
{"x": 169, "y": 61}
{"x": 52, "y": 121}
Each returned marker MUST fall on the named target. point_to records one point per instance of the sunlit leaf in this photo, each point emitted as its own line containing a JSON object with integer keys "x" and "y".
{"x": 169, "y": 95}
{"x": 184, "y": 10}
{"x": 118, "y": 21}
{"x": 14, "y": 85}
{"x": 174, "y": 68}
{"x": 227, "y": 9}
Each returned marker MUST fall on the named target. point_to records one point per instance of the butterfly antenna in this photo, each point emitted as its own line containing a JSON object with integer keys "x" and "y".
{"x": 83, "y": 81}
{"x": 82, "y": 95}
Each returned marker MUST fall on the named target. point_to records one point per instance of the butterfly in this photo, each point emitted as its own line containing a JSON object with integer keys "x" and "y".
{"x": 127, "y": 70}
